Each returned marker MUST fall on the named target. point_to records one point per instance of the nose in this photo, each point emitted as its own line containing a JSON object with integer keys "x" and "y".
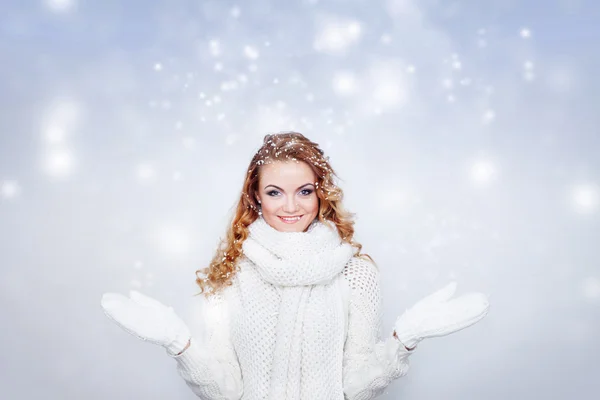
{"x": 290, "y": 205}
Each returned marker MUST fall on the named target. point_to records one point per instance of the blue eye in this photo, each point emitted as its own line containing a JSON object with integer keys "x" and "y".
{"x": 308, "y": 192}
{"x": 271, "y": 192}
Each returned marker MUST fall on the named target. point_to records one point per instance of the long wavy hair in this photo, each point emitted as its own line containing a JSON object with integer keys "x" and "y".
{"x": 283, "y": 147}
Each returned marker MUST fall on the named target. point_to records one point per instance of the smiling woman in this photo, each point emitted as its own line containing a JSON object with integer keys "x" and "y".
{"x": 293, "y": 308}
{"x": 287, "y": 196}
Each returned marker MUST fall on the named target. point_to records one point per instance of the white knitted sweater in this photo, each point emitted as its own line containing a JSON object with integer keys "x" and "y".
{"x": 229, "y": 361}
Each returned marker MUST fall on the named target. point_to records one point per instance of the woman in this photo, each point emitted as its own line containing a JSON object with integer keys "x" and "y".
{"x": 292, "y": 309}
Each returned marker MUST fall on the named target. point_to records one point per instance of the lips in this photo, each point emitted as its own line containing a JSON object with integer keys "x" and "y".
{"x": 290, "y": 220}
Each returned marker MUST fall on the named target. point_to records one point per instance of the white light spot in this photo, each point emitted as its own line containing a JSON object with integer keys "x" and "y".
{"x": 456, "y": 65}
{"x": 218, "y": 66}
{"x": 60, "y": 5}
{"x": 447, "y": 83}
{"x": 138, "y": 264}
{"x": 251, "y": 52}
{"x": 177, "y": 176}
{"x": 336, "y": 35}
{"x": 386, "y": 39}
{"x": 528, "y": 76}
{"x": 388, "y": 84}
{"x": 158, "y": 67}
{"x": 235, "y": 12}
{"x": 344, "y": 83}
{"x": 10, "y": 189}
{"x": 58, "y": 163}
{"x": 411, "y": 69}
{"x": 60, "y": 119}
{"x": 172, "y": 240}
{"x": 585, "y": 197}
{"x": 214, "y": 48}
{"x": 525, "y": 33}
{"x": 229, "y": 85}
{"x": 488, "y": 117}
{"x": 451, "y": 98}
{"x": 482, "y": 171}
{"x": 145, "y": 172}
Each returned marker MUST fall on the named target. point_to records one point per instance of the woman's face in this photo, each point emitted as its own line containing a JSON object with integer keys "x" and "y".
{"x": 286, "y": 191}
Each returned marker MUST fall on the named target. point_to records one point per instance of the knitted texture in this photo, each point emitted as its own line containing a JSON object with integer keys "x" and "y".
{"x": 270, "y": 336}
{"x": 305, "y": 268}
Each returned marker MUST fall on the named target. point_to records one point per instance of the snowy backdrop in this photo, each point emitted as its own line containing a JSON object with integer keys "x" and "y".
{"x": 465, "y": 133}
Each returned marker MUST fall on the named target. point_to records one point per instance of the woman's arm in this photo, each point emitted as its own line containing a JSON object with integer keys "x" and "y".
{"x": 370, "y": 364}
{"x": 210, "y": 366}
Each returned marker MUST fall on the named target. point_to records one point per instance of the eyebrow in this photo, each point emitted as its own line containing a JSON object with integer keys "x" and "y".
{"x": 278, "y": 188}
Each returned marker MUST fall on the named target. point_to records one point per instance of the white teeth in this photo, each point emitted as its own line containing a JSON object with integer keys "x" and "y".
{"x": 290, "y": 219}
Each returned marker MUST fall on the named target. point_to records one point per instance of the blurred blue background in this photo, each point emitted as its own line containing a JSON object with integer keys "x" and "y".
{"x": 465, "y": 135}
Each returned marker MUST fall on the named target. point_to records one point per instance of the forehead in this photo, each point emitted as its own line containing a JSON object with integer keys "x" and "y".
{"x": 286, "y": 172}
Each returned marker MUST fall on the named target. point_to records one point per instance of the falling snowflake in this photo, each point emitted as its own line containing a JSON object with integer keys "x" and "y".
{"x": 235, "y": 12}
{"x": 482, "y": 171}
{"x": 336, "y": 35}
{"x": 10, "y": 189}
{"x": 251, "y": 52}
{"x": 525, "y": 33}
{"x": 58, "y": 163}
{"x": 60, "y": 5}
{"x": 214, "y": 48}
{"x": 145, "y": 172}
{"x": 585, "y": 197}
{"x": 488, "y": 117}
{"x": 344, "y": 83}
{"x": 172, "y": 239}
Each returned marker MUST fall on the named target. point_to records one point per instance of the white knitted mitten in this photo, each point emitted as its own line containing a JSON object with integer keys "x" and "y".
{"x": 147, "y": 319}
{"x": 437, "y": 315}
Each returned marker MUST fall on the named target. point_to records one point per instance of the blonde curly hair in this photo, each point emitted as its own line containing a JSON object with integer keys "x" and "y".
{"x": 283, "y": 147}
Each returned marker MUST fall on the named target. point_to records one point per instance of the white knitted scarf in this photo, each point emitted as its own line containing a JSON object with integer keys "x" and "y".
{"x": 306, "y": 269}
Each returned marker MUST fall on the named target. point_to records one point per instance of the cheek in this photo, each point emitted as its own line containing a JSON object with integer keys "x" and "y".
{"x": 312, "y": 204}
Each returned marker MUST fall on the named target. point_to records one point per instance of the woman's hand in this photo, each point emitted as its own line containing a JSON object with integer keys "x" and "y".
{"x": 437, "y": 315}
{"x": 147, "y": 319}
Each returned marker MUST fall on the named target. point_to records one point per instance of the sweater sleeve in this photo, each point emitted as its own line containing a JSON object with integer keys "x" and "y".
{"x": 370, "y": 364}
{"x": 210, "y": 365}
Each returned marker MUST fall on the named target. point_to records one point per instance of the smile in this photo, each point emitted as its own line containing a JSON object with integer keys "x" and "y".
{"x": 290, "y": 220}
